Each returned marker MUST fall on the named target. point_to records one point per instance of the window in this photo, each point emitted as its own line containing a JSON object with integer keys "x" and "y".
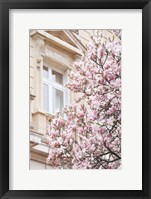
{"x": 54, "y": 91}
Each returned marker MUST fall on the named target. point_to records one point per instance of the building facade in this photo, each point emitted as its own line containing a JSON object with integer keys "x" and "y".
{"x": 52, "y": 54}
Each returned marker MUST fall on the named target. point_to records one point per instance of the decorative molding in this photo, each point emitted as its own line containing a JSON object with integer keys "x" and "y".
{"x": 56, "y": 54}
{"x": 76, "y": 41}
{"x": 56, "y": 41}
{"x": 35, "y": 138}
{"x": 32, "y": 97}
{"x": 51, "y": 60}
{"x": 39, "y": 61}
{"x": 39, "y": 45}
{"x": 51, "y": 116}
{"x": 77, "y": 57}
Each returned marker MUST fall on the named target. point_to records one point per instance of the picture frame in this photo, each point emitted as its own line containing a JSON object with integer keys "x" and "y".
{"x": 5, "y": 6}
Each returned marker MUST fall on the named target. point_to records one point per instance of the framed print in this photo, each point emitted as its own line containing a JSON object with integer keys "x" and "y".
{"x": 75, "y": 99}
{"x": 71, "y": 100}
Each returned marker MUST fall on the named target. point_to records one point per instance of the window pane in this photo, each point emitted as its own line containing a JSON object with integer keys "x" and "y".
{"x": 45, "y": 97}
{"x": 57, "y": 77}
{"x": 57, "y": 100}
{"x": 45, "y": 72}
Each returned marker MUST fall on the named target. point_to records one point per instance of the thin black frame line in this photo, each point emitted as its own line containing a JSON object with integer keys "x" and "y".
{"x": 4, "y": 103}
{"x": 145, "y": 98}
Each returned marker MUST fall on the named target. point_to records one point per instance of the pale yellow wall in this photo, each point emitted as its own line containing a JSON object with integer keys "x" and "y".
{"x": 85, "y": 35}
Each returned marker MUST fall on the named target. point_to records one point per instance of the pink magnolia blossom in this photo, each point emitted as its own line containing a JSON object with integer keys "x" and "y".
{"x": 90, "y": 138}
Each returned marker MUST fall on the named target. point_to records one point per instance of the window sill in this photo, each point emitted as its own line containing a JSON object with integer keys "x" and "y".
{"x": 51, "y": 116}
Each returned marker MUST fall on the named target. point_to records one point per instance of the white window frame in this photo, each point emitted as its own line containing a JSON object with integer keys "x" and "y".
{"x": 51, "y": 84}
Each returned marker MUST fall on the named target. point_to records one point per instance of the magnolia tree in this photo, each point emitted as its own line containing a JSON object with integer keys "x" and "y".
{"x": 90, "y": 136}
